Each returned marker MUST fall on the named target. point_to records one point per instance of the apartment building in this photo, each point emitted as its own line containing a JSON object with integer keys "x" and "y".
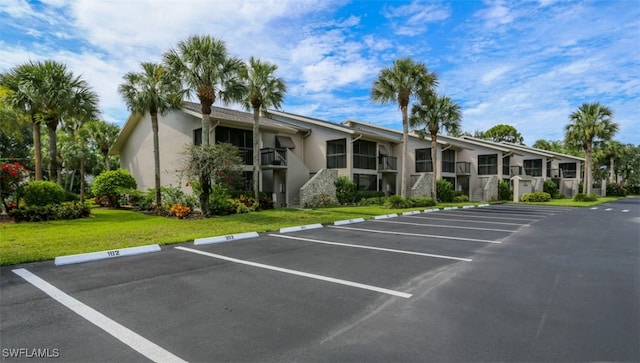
{"x": 301, "y": 156}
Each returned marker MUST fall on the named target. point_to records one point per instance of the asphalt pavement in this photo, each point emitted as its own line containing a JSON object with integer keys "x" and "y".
{"x": 500, "y": 283}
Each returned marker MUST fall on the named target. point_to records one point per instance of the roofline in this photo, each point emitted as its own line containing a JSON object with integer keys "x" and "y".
{"x": 317, "y": 122}
{"x": 124, "y": 134}
{"x": 553, "y": 153}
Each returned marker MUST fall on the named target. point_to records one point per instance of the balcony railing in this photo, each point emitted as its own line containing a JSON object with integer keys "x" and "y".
{"x": 273, "y": 156}
{"x": 463, "y": 168}
{"x": 246, "y": 153}
{"x": 387, "y": 163}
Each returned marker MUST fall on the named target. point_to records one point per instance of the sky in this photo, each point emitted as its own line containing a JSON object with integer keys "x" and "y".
{"x": 528, "y": 64}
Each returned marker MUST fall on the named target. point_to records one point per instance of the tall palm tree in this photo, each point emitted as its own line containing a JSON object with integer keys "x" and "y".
{"x": 590, "y": 122}
{"x": 155, "y": 90}
{"x": 263, "y": 89}
{"x": 23, "y": 85}
{"x": 206, "y": 68}
{"x": 432, "y": 113}
{"x": 63, "y": 95}
{"x": 612, "y": 151}
{"x": 103, "y": 134}
{"x": 399, "y": 83}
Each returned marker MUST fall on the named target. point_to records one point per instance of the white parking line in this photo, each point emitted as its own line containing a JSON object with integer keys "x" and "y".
{"x": 300, "y": 273}
{"x": 479, "y": 215}
{"x": 443, "y": 226}
{"x": 125, "y": 335}
{"x": 372, "y": 248}
{"x": 468, "y": 221}
{"x": 416, "y": 234}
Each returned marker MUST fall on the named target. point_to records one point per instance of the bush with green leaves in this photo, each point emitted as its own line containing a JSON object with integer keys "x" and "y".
{"x": 504, "y": 190}
{"x": 444, "y": 191}
{"x": 220, "y": 201}
{"x": 582, "y": 197}
{"x": 398, "y": 202}
{"x": 112, "y": 184}
{"x": 535, "y": 197}
{"x": 364, "y": 194}
{"x": 41, "y": 193}
{"x": 50, "y": 212}
{"x": 373, "y": 201}
{"x": 550, "y": 187}
{"x": 346, "y": 190}
{"x": 461, "y": 199}
{"x": 616, "y": 190}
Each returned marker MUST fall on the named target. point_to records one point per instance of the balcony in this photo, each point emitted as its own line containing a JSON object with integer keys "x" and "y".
{"x": 387, "y": 163}
{"x": 273, "y": 157}
{"x": 463, "y": 168}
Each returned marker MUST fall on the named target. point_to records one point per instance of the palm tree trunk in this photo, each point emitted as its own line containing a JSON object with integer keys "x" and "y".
{"x": 53, "y": 151}
{"x": 82, "y": 179}
{"x": 256, "y": 151}
{"x": 405, "y": 142}
{"x": 107, "y": 163}
{"x": 434, "y": 166}
{"x": 611, "y": 173}
{"x": 156, "y": 158}
{"x": 37, "y": 150}
{"x": 587, "y": 169}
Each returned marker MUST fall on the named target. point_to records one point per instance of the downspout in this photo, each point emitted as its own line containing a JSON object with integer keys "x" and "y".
{"x": 357, "y": 138}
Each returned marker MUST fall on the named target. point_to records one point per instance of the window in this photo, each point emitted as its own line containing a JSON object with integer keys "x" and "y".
{"x": 488, "y": 164}
{"x": 548, "y": 168}
{"x": 505, "y": 165}
{"x": 364, "y": 155}
{"x": 242, "y": 139}
{"x": 568, "y": 170}
{"x": 366, "y": 181}
{"x": 197, "y": 136}
{"x": 423, "y": 161}
{"x": 533, "y": 167}
{"x": 449, "y": 161}
{"x": 337, "y": 154}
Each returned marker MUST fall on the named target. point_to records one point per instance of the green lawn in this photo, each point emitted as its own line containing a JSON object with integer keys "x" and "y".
{"x": 109, "y": 229}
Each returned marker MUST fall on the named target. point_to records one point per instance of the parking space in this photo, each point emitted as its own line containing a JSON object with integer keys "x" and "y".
{"x": 257, "y": 299}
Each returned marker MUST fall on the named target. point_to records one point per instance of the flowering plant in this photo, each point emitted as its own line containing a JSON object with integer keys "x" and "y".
{"x": 13, "y": 176}
{"x": 179, "y": 210}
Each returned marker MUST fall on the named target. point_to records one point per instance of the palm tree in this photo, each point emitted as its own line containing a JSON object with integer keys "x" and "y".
{"x": 155, "y": 90}
{"x": 63, "y": 95}
{"x": 432, "y": 113}
{"x": 590, "y": 122}
{"x": 399, "y": 83}
{"x": 612, "y": 151}
{"x": 264, "y": 89}
{"x": 23, "y": 85}
{"x": 103, "y": 134}
{"x": 206, "y": 68}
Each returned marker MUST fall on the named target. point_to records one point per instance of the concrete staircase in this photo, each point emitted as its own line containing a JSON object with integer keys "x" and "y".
{"x": 477, "y": 195}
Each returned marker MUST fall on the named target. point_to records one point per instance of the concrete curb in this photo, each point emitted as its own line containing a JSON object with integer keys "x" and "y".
{"x": 227, "y": 238}
{"x": 300, "y": 228}
{"x": 101, "y": 255}
{"x": 348, "y": 221}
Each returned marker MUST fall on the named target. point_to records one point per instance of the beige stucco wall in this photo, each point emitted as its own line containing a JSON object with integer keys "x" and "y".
{"x": 175, "y": 130}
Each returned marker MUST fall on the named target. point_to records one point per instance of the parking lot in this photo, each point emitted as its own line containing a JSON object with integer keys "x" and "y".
{"x": 497, "y": 283}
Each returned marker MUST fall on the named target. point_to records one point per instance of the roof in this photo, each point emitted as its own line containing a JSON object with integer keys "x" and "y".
{"x": 299, "y": 121}
{"x": 226, "y": 117}
{"x": 553, "y": 153}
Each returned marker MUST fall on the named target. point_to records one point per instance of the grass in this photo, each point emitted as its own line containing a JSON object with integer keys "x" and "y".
{"x": 109, "y": 229}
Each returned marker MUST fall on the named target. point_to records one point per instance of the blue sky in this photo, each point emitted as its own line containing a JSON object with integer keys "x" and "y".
{"x": 528, "y": 64}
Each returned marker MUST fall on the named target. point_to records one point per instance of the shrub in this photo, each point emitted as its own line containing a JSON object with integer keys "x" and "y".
{"x": 444, "y": 191}
{"x": 396, "y": 201}
{"x": 535, "y": 197}
{"x": 41, "y": 193}
{"x": 373, "y": 201}
{"x": 461, "y": 199}
{"x": 112, "y": 184}
{"x": 365, "y": 194}
{"x": 616, "y": 190}
{"x": 550, "y": 187}
{"x": 504, "y": 190}
{"x": 581, "y": 197}
{"x": 248, "y": 202}
{"x": 51, "y": 212}
{"x": 320, "y": 200}
{"x": 422, "y": 202}
{"x": 346, "y": 190}
{"x": 179, "y": 210}
{"x": 220, "y": 201}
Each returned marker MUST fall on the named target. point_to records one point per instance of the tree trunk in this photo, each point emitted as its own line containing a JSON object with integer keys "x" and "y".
{"x": 611, "y": 173}
{"x": 53, "y": 151}
{"x": 37, "y": 150}
{"x": 156, "y": 158}
{"x": 434, "y": 166}
{"x": 587, "y": 170}
{"x": 82, "y": 179}
{"x": 405, "y": 142}
{"x": 256, "y": 152}
{"x": 107, "y": 163}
